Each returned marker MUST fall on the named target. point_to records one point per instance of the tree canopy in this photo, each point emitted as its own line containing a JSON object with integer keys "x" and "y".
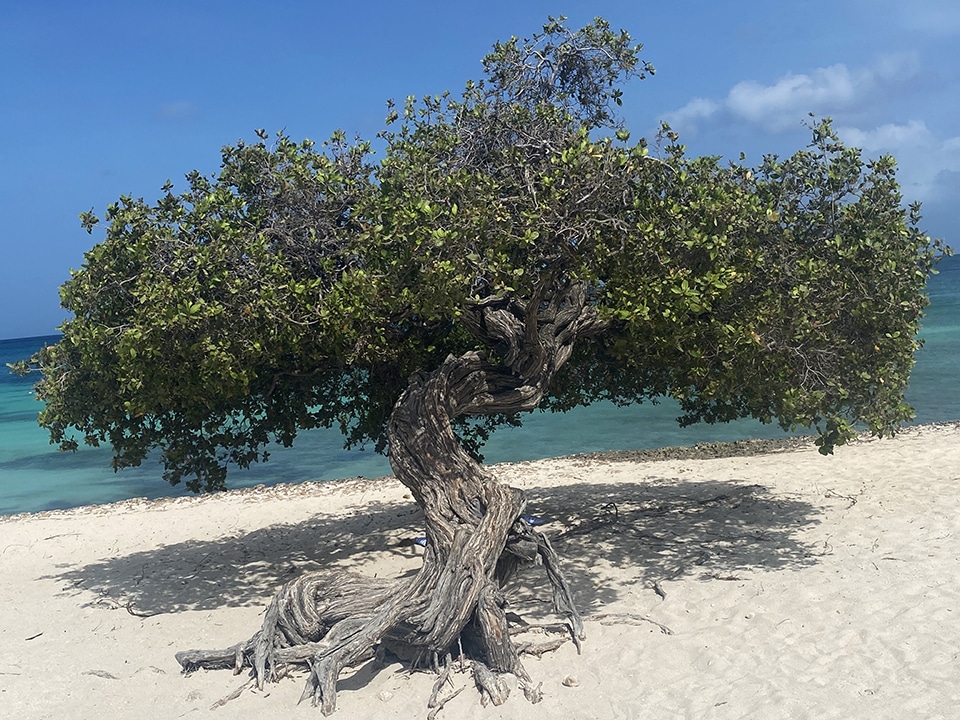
{"x": 302, "y": 284}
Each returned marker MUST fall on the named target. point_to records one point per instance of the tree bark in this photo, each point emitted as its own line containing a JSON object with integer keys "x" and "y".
{"x": 474, "y": 529}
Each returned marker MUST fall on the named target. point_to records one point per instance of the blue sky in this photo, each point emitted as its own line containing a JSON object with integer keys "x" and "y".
{"x": 100, "y": 98}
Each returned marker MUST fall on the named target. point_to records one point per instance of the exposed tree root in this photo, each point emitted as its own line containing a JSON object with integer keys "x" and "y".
{"x": 330, "y": 620}
{"x": 476, "y": 534}
{"x": 629, "y": 619}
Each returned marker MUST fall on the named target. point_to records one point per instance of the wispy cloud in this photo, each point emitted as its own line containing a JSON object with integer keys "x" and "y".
{"x": 177, "y": 110}
{"x": 889, "y": 136}
{"x": 925, "y": 160}
{"x": 940, "y": 18}
{"x": 860, "y": 99}
{"x": 689, "y": 116}
{"x": 783, "y": 104}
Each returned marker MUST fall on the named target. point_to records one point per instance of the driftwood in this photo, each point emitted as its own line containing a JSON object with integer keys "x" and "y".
{"x": 476, "y": 534}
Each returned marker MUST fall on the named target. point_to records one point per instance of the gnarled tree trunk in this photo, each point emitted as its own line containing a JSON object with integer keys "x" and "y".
{"x": 475, "y": 532}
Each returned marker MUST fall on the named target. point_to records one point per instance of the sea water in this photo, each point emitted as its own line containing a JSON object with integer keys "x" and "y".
{"x": 35, "y": 476}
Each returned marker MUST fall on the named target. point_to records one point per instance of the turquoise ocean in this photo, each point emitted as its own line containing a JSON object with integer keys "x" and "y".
{"x": 35, "y": 476}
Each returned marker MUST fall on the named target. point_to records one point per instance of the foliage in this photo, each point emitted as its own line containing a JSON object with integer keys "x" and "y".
{"x": 301, "y": 285}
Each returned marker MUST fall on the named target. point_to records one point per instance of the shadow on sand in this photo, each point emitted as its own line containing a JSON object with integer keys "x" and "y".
{"x": 659, "y": 529}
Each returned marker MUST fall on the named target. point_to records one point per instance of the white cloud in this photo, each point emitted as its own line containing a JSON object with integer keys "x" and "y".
{"x": 785, "y": 104}
{"x": 914, "y": 134}
{"x": 924, "y": 159}
{"x": 858, "y": 98}
{"x": 685, "y": 119}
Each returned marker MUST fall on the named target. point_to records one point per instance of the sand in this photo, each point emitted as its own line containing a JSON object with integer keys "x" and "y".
{"x": 778, "y": 585}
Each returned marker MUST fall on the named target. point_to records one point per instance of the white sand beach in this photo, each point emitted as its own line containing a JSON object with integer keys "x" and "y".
{"x": 778, "y": 585}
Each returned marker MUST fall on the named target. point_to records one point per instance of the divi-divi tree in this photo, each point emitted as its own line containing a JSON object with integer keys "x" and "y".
{"x": 492, "y": 252}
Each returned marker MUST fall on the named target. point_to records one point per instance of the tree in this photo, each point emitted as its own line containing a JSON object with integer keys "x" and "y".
{"x": 510, "y": 250}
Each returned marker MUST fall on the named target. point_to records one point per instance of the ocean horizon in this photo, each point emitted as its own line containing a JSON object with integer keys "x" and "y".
{"x": 35, "y": 476}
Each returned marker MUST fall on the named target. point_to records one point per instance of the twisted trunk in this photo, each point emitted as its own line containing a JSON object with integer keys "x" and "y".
{"x": 475, "y": 533}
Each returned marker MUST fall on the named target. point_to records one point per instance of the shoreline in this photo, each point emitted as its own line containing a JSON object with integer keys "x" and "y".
{"x": 748, "y": 447}
{"x": 778, "y": 584}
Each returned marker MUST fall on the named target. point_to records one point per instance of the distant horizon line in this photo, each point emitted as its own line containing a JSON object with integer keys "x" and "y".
{"x": 31, "y": 337}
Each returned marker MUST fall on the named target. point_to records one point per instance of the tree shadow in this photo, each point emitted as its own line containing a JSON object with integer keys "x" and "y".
{"x": 608, "y": 536}
{"x": 246, "y": 568}
{"x": 614, "y": 536}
